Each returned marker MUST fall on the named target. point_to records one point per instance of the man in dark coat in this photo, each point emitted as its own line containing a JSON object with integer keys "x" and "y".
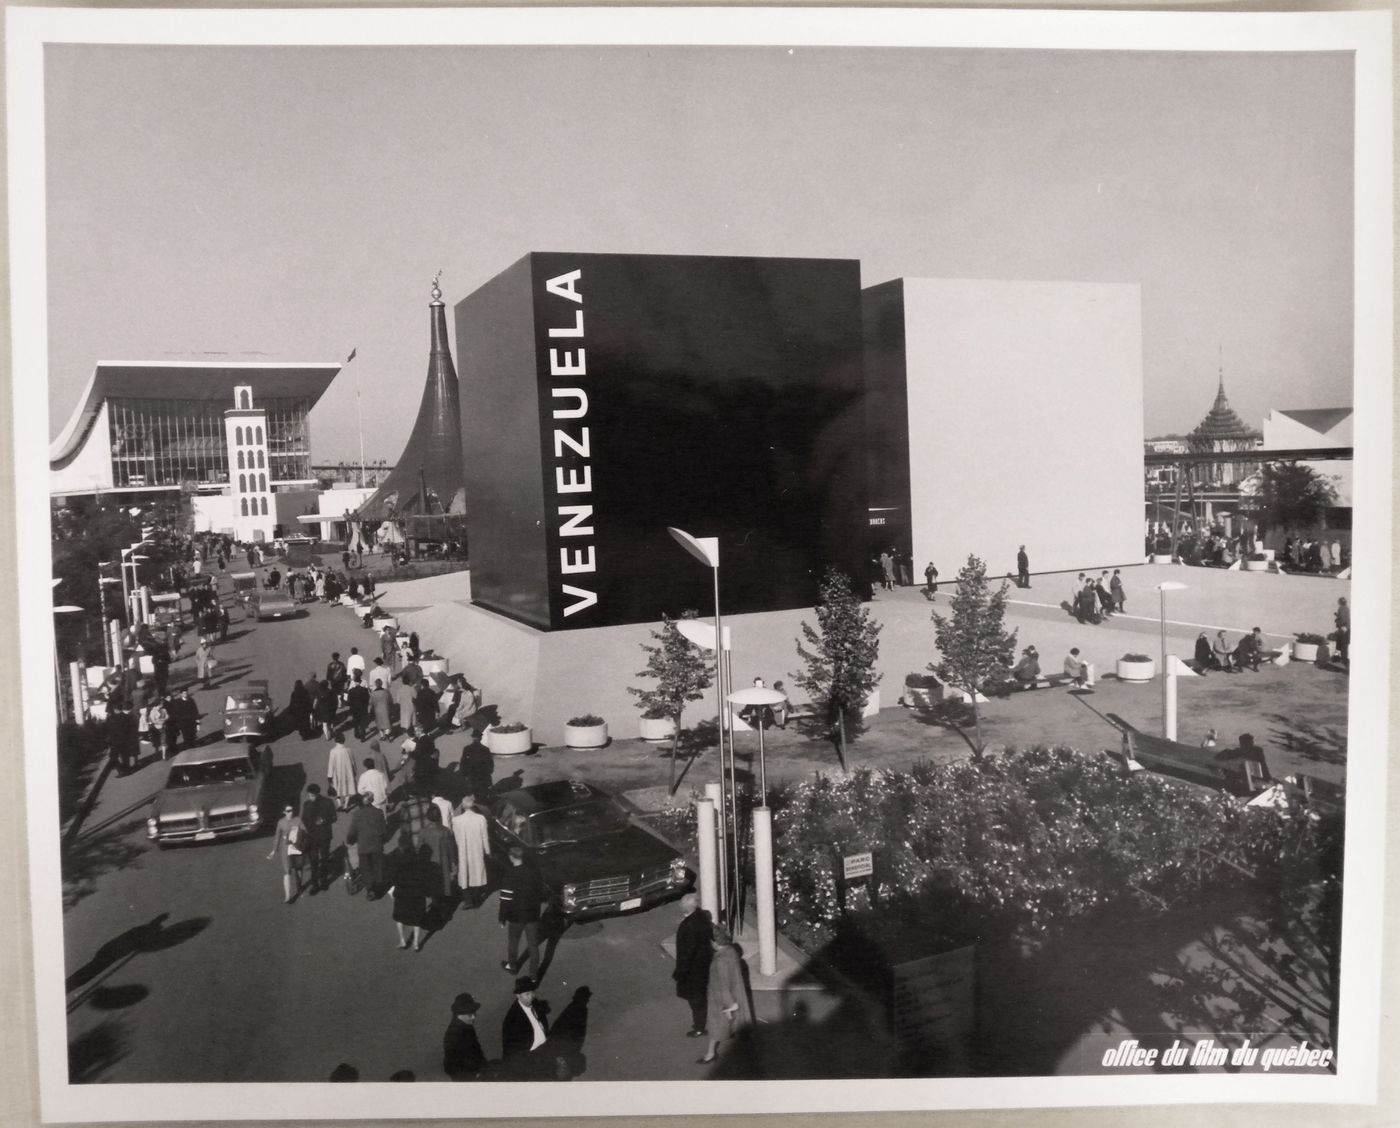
{"x": 477, "y": 768}
{"x": 337, "y": 675}
{"x": 357, "y": 698}
{"x": 184, "y": 715}
{"x": 1023, "y": 568}
{"x": 693, "y": 954}
{"x": 122, "y": 739}
{"x": 525, "y": 1034}
{"x": 367, "y": 832}
{"x": 425, "y": 706}
{"x": 318, "y": 817}
{"x": 522, "y": 897}
{"x": 462, "y": 1056}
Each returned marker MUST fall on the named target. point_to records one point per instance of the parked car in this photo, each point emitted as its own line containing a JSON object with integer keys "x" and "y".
{"x": 212, "y": 791}
{"x": 245, "y": 591}
{"x": 248, "y": 712}
{"x": 594, "y": 856}
{"x": 275, "y": 603}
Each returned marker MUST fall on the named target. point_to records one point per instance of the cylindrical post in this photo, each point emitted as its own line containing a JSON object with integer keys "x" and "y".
{"x": 58, "y": 687}
{"x": 762, "y": 769}
{"x": 114, "y": 628}
{"x": 102, "y": 611}
{"x": 145, "y": 603}
{"x": 706, "y": 845}
{"x": 763, "y": 880}
{"x": 1169, "y": 703}
{"x": 736, "y": 856}
{"x": 1168, "y": 683}
{"x": 76, "y": 687}
{"x": 714, "y": 794}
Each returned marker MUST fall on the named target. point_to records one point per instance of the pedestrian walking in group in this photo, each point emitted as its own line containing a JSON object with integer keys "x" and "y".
{"x": 521, "y": 898}
{"x": 290, "y": 842}
{"x": 388, "y": 647}
{"x": 442, "y": 860}
{"x": 473, "y": 842}
{"x": 381, "y": 761}
{"x": 404, "y": 702}
{"x": 324, "y": 708}
{"x": 367, "y": 832}
{"x": 408, "y": 871}
{"x": 693, "y": 955}
{"x": 357, "y": 698}
{"x": 157, "y": 717}
{"x": 340, "y": 773}
{"x": 355, "y": 662}
{"x": 338, "y": 676}
{"x": 1105, "y": 597}
{"x": 1115, "y": 590}
{"x": 524, "y": 1034}
{"x": 379, "y": 674}
{"x": 318, "y": 816}
{"x": 204, "y": 660}
{"x": 462, "y": 1056}
{"x": 185, "y": 713}
{"x": 1023, "y": 568}
{"x": 425, "y": 707}
{"x": 887, "y": 571}
{"x": 381, "y": 708}
{"x": 728, "y": 1011}
{"x": 374, "y": 783}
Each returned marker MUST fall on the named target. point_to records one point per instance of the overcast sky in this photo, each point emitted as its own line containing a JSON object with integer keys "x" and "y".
{"x": 293, "y": 203}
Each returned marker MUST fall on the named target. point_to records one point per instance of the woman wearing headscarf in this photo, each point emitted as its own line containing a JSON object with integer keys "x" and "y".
{"x": 1205, "y": 660}
{"x": 728, "y": 1010}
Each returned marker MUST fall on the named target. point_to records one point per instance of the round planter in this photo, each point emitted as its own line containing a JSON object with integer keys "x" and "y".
{"x": 1136, "y": 671}
{"x": 508, "y": 743}
{"x": 431, "y": 666}
{"x": 656, "y": 729}
{"x": 386, "y": 621}
{"x": 872, "y": 703}
{"x": 1282, "y": 657}
{"x": 586, "y": 736}
{"x": 1305, "y": 651}
{"x": 1256, "y": 565}
{"x": 1160, "y": 558}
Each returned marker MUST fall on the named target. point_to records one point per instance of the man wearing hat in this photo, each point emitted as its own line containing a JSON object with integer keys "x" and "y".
{"x": 462, "y": 1059}
{"x": 524, "y": 1032}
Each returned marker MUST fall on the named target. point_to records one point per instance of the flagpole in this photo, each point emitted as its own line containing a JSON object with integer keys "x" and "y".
{"x": 359, "y": 417}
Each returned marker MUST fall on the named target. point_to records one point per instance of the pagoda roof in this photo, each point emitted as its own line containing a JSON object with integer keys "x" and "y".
{"x": 1222, "y": 422}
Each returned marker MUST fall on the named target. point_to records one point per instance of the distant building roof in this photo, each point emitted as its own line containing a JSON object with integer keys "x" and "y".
{"x": 187, "y": 380}
{"x": 1319, "y": 419}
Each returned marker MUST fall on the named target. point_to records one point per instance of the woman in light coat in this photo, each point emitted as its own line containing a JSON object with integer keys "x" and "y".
{"x": 728, "y": 999}
{"x": 291, "y": 844}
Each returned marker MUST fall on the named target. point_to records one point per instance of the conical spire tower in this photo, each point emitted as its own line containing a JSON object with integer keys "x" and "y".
{"x": 428, "y": 476}
{"x": 1222, "y": 427}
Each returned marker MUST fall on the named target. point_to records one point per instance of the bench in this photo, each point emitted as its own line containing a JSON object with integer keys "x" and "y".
{"x": 1224, "y": 769}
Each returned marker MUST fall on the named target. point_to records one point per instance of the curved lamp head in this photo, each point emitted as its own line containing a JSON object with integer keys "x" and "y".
{"x": 1171, "y": 585}
{"x": 756, "y": 696}
{"x": 66, "y": 608}
{"x": 704, "y": 549}
{"x": 700, "y": 633}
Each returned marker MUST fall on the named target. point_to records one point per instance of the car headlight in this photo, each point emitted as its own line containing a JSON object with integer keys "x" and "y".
{"x": 571, "y": 896}
{"x": 152, "y": 828}
{"x": 252, "y": 812}
{"x": 678, "y": 871}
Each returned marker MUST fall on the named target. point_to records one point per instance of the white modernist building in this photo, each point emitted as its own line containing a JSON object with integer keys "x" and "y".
{"x": 1006, "y": 413}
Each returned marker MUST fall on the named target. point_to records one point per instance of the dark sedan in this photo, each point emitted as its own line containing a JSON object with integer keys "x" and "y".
{"x": 595, "y": 858}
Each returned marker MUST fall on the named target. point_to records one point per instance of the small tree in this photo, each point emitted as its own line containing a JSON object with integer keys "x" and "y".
{"x": 1291, "y": 496}
{"x": 840, "y": 655}
{"x": 975, "y": 650}
{"x": 682, "y": 675}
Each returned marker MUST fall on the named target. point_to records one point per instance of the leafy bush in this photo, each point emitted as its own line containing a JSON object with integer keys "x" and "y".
{"x": 514, "y": 726}
{"x": 1308, "y": 638}
{"x": 655, "y": 713}
{"x": 588, "y": 720}
{"x": 1019, "y": 846}
{"x": 1135, "y": 658}
{"x": 921, "y": 681}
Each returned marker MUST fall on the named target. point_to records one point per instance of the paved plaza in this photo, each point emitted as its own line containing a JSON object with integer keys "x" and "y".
{"x": 164, "y": 946}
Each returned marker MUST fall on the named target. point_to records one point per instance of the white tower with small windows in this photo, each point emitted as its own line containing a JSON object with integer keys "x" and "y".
{"x": 245, "y": 432}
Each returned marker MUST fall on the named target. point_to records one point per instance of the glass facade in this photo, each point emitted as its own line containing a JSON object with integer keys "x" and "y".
{"x": 169, "y": 442}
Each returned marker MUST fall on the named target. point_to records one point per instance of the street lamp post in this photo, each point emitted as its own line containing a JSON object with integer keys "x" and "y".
{"x": 61, "y": 609}
{"x": 703, "y": 635}
{"x": 706, "y": 550}
{"x": 1168, "y": 676}
{"x": 760, "y": 698}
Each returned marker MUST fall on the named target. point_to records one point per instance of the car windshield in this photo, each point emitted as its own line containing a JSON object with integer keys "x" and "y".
{"x": 589, "y": 819}
{"x": 212, "y": 771}
{"x": 244, "y": 701}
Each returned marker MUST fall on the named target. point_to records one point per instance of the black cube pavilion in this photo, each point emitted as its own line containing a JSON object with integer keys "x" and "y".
{"x": 607, "y": 396}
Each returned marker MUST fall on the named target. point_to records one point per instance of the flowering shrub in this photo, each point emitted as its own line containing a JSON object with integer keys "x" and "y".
{"x": 1310, "y": 638}
{"x": 1135, "y": 658}
{"x": 513, "y": 727}
{"x": 1017, "y": 846}
{"x": 588, "y": 720}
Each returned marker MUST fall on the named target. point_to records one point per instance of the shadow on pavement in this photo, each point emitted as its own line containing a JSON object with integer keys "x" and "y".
{"x": 95, "y": 1051}
{"x": 118, "y": 845}
{"x": 1324, "y": 744}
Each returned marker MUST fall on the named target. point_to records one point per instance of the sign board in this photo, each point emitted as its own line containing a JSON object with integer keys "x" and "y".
{"x": 857, "y": 865}
{"x": 934, "y": 1010}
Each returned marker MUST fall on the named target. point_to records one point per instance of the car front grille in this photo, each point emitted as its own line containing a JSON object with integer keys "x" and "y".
{"x": 605, "y": 890}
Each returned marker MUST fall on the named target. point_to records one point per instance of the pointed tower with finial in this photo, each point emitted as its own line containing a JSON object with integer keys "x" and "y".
{"x": 428, "y": 477}
{"x": 1223, "y": 430}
